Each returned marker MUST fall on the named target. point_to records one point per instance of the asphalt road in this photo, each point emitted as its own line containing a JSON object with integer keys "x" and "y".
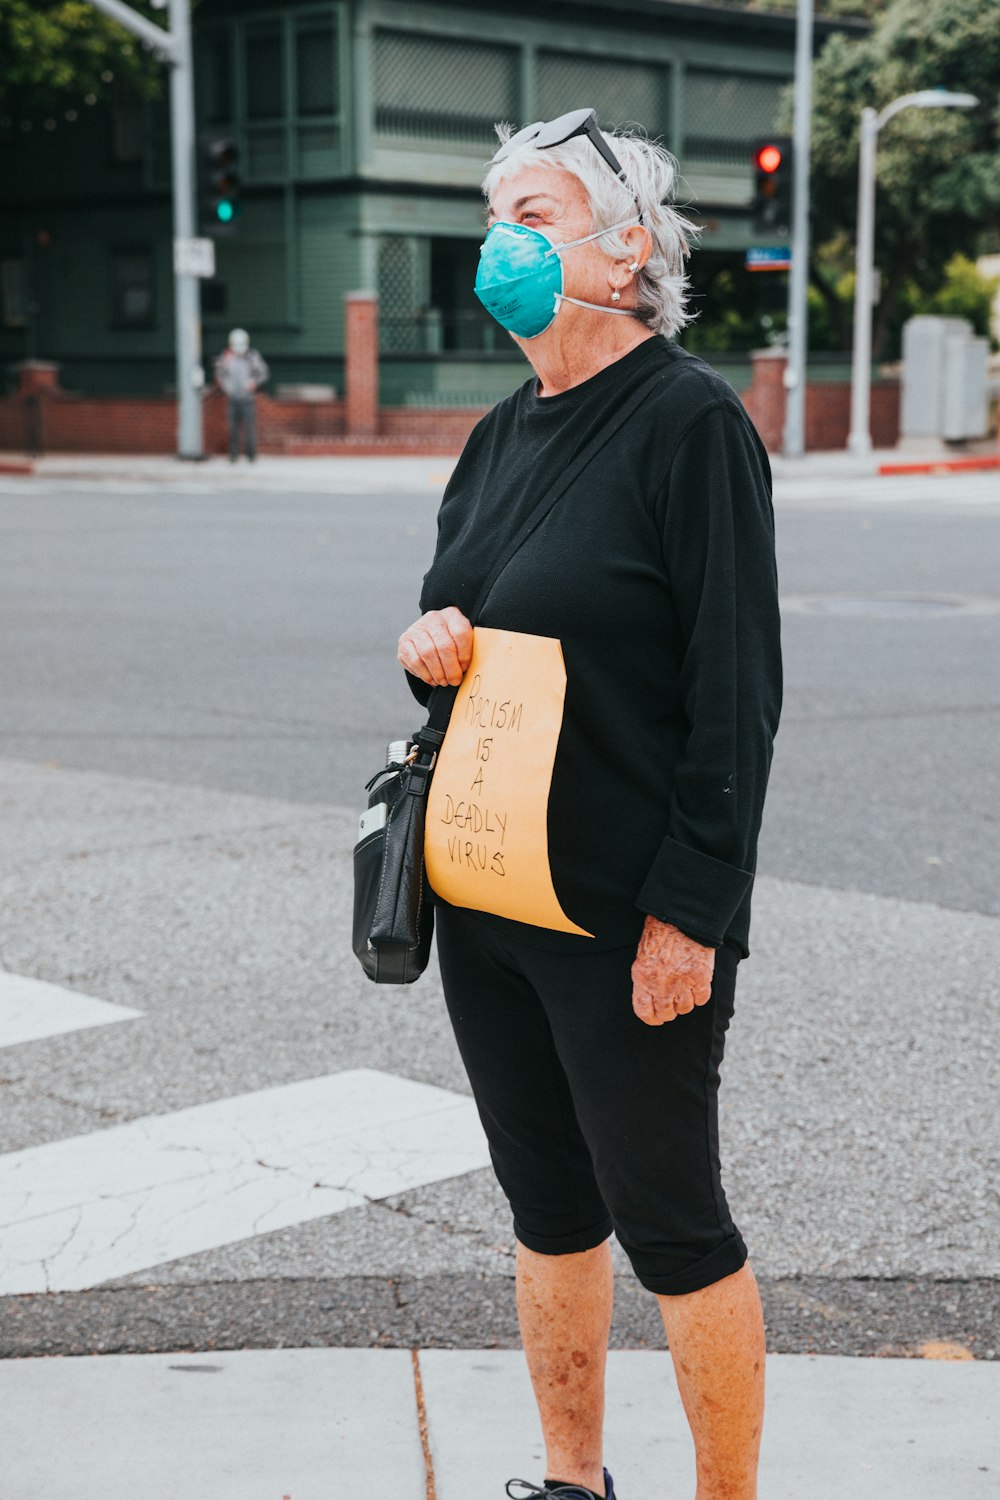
{"x": 195, "y": 684}
{"x": 245, "y": 641}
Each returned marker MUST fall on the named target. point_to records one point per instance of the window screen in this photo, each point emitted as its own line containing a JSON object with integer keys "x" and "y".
{"x": 438, "y": 89}
{"x": 623, "y": 93}
{"x": 398, "y": 316}
{"x": 724, "y": 112}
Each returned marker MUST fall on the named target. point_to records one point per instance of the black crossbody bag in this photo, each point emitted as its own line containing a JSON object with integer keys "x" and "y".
{"x": 393, "y": 915}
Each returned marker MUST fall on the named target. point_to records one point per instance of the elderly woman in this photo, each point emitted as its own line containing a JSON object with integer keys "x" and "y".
{"x": 593, "y": 1051}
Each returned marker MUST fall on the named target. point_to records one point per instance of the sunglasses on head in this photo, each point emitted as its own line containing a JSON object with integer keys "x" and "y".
{"x": 546, "y": 133}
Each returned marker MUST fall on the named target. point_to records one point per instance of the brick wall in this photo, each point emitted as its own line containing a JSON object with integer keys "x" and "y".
{"x": 54, "y": 421}
{"x": 40, "y": 417}
{"x": 828, "y": 415}
{"x": 57, "y": 421}
{"x": 828, "y": 407}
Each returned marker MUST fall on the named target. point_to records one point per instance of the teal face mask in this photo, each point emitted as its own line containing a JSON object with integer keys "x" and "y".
{"x": 520, "y": 277}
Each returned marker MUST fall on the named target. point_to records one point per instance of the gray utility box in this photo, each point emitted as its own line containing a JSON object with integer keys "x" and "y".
{"x": 945, "y": 392}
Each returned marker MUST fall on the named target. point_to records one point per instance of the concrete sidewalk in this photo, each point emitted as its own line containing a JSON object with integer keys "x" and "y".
{"x": 347, "y": 475}
{"x": 311, "y": 1424}
{"x": 404, "y": 473}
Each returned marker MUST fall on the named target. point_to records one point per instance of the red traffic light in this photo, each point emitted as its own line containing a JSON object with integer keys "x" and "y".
{"x": 768, "y": 158}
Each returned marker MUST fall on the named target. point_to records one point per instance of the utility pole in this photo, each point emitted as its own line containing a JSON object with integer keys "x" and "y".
{"x": 174, "y": 48}
{"x": 798, "y": 328}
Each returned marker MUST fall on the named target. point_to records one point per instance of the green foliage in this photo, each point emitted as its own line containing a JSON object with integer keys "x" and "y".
{"x": 938, "y": 183}
{"x": 728, "y": 316}
{"x": 737, "y": 312}
{"x": 54, "y": 52}
{"x": 866, "y": 8}
{"x": 863, "y": 9}
{"x": 963, "y": 293}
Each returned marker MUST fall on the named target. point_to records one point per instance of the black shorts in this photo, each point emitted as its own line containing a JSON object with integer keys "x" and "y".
{"x": 596, "y": 1122}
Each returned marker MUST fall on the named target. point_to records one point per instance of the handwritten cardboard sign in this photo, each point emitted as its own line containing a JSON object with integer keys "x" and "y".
{"x": 486, "y": 841}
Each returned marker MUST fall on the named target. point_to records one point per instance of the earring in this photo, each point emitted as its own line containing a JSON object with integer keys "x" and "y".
{"x": 616, "y": 295}
{"x": 634, "y": 266}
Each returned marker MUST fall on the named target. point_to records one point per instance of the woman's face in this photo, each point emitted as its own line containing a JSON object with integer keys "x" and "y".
{"x": 554, "y": 201}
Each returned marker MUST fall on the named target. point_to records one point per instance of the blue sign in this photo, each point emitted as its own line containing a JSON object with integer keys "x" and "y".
{"x": 768, "y": 258}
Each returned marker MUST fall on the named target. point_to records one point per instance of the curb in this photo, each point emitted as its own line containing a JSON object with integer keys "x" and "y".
{"x": 944, "y": 465}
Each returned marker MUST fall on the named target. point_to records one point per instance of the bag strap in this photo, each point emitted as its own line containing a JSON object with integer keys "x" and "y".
{"x": 442, "y": 698}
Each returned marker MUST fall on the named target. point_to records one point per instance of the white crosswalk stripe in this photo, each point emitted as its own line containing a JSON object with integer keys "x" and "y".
{"x": 81, "y": 1211}
{"x": 31, "y": 1009}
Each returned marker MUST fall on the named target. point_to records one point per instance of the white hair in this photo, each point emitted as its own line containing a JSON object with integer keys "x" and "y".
{"x": 662, "y": 285}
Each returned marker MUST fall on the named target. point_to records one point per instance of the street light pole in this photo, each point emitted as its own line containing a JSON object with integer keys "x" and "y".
{"x": 174, "y": 48}
{"x": 798, "y": 349}
{"x": 859, "y": 439}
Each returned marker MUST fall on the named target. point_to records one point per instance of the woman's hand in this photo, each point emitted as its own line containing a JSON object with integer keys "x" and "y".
{"x": 437, "y": 648}
{"x": 671, "y": 974}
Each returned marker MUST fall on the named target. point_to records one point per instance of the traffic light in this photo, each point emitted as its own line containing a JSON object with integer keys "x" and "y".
{"x": 772, "y": 185}
{"x": 223, "y": 204}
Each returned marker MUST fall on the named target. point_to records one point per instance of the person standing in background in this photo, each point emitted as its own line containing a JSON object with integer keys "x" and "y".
{"x": 239, "y": 371}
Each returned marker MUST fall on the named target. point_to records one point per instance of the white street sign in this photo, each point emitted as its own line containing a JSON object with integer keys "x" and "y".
{"x": 194, "y": 257}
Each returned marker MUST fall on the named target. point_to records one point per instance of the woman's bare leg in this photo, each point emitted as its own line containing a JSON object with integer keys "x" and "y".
{"x": 564, "y": 1307}
{"x": 716, "y": 1337}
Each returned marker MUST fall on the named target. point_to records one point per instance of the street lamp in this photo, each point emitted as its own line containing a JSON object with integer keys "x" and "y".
{"x": 860, "y": 440}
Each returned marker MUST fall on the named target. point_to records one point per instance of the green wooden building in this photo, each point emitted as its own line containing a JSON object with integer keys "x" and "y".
{"x": 362, "y": 128}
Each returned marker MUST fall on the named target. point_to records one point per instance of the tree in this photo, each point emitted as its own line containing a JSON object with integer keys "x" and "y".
{"x": 54, "y": 51}
{"x": 938, "y": 183}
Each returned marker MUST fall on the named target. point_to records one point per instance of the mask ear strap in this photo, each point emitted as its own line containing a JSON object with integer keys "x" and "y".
{"x": 597, "y": 234}
{"x": 621, "y": 312}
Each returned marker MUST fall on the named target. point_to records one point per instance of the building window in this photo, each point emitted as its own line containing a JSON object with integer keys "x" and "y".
{"x": 127, "y": 126}
{"x": 215, "y": 75}
{"x": 464, "y": 323}
{"x": 13, "y": 294}
{"x": 265, "y": 74}
{"x": 213, "y": 298}
{"x": 132, "y": 289}
{"x": 315, "y": 70}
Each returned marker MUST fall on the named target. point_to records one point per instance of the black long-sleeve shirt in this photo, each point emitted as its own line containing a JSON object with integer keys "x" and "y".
{"x": 656, "y": 571}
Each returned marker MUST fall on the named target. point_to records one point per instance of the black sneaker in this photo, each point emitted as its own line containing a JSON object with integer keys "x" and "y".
{"x": 529, "y": 1491}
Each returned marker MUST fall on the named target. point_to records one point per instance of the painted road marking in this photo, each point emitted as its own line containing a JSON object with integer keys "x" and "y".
{"x": 81, "y": 1211}
{"x": 32, "y": 1008}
